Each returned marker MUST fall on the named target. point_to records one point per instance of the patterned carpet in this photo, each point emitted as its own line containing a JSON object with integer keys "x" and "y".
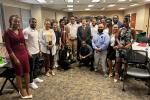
{"x": 82, "y": 84}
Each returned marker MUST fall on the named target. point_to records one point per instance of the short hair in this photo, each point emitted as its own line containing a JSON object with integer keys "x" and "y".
{"x": 11, "y": 18}
{"x": 127, "y": 19}
{"x": 116, "y": 16}
{"x": 31, "y": 19}
{"x": 72, "y": 16}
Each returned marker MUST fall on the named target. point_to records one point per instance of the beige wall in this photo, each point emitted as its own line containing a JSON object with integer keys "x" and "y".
{"x": 37, "y": 13}
{"x": 52, "y": 14}
{"x": 141, "y": 16}
{"x": 98, "y": 13}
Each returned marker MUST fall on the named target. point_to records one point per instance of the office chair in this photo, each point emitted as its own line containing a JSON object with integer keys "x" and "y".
{"x": 138, "y": 66}
{"x": 8, "y": 74}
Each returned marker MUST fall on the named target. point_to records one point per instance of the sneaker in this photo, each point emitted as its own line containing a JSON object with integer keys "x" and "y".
{"x": 95, "y": 69}
{"x": 38, "y": 80}
{"x": 33, "y": 85}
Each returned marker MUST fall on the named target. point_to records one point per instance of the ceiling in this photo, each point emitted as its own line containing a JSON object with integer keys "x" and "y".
{"x": 82, "y": 5}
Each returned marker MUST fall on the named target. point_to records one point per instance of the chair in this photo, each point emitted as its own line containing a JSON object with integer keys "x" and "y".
{"x": 8, "y": 74}
{"x": 138, "y": 66}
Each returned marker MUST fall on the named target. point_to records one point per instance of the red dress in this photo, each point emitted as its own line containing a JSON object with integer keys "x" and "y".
{"x": 16, "y": 44}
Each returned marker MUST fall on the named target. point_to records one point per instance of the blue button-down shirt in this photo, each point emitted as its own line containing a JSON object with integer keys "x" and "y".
{"x": 101, "y": 40}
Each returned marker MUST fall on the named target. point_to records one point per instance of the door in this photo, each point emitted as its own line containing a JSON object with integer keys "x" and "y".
{"x": 133, "y": 20}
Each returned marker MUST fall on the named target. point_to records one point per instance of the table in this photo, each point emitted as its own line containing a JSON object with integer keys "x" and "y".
{"x": 136, "y": 47}
{"x": 2, "y": 65}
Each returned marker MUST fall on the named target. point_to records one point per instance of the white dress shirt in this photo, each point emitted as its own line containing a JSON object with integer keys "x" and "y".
{"x": 94, "y": 30}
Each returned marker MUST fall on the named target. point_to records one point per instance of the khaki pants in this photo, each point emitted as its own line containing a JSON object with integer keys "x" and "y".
{"x": 73, "y": 45}
{"x": 100, "y": 58}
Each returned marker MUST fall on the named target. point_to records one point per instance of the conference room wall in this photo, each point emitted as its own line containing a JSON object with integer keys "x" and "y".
{"x": 142, "y": 13}
{"x": 98, "y": 13}
{"x": 52, "y": 14}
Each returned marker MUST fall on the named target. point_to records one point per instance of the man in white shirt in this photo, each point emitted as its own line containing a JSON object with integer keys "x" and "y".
{"x": 31, "y": 36}
{"x": 73, "y": 36}
{"x": 94, "y": 27}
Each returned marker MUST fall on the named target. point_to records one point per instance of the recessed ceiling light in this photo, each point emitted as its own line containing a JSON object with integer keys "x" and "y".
{"x": 121, "y": 0}
{"x": 41, "y": 1}
{"x": 69, "y": 1}
{"x": 122, "y": 8}
{"x": 134, "y": 5}
{"x": 78, "y": 1}
{"x": 87, "y": 9}
{"x": 147, "y": 0}
{"x": 111, "y": 5}
{"x": 51, "y": 1}
{"x": 69, "y": 5}
{"x": 90, "y": 5}
{"x": 70, "y": 9}
{"x": 95, "y": 0}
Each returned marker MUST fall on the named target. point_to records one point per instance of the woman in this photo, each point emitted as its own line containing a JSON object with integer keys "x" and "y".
{"x": 58, "y": 41}
{"x": 15, "y": 45}
{"x": 47, "y": 40}
{"x": 111, "y": 50}
{"x": 64, "y": 31}
{"x": 126, "y": 35}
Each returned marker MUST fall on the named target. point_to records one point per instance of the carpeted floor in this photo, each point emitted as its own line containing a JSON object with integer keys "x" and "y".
{"x": 82, "y": 84}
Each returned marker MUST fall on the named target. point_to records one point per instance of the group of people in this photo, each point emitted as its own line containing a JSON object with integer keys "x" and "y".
{"x": 92, "y": 41}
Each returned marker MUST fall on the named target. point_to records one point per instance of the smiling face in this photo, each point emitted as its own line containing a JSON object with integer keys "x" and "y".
{"x": 33, "y": 23}
{"x": 14, "y": 22}
{"x": 72, "y": 20}
{"x": 47, "y": 24}
{"x": 115, "y": 28}
{"x": 93, "y": 21}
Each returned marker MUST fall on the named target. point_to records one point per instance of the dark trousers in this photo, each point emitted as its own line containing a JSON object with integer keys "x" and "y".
{"x": 34, "y": 68}
{"x": 48, "y": 61}
{"x": 87, "y": 60}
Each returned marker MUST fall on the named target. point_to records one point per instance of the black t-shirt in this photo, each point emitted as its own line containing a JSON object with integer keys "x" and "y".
{"x": 58, "y": 36}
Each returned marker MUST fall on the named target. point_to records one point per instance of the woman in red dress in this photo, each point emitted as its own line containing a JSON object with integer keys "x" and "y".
{"x": 15, "y": 45}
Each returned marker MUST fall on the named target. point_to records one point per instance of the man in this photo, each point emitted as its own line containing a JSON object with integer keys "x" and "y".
{"x": 100, "y": 44}
{"x": 86, "y": 54}
{"x": 73, "y": 36}
{"x": 116, "y": 21}
{"x": 94, "y": 27}
{"x": 83, "y": 34}
{"x": 32, "y": 42}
